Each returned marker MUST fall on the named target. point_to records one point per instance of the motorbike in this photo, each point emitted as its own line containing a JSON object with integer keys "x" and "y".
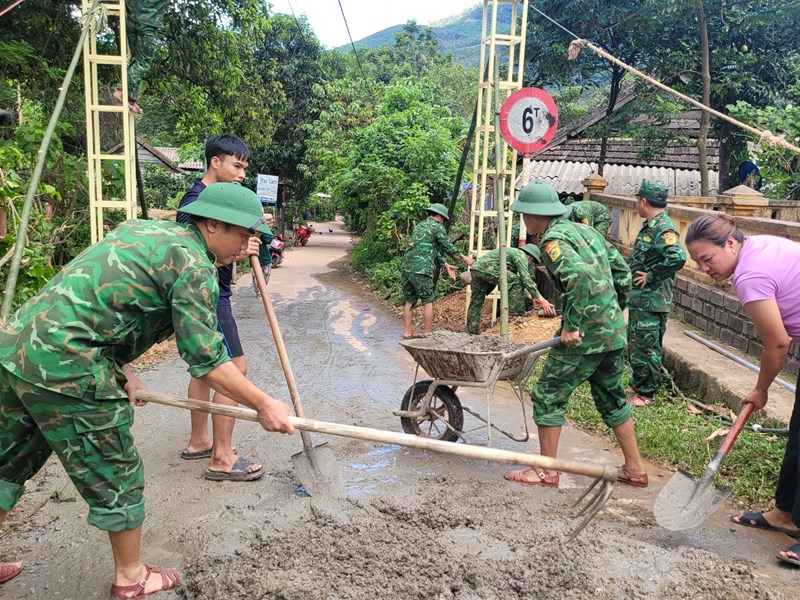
{"x": 303, "y": 233}
{"x": 276, "y": 247}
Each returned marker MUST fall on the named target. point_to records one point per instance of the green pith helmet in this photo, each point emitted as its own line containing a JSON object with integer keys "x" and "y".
{"x": 439, "y": 209}
{"x": 230, "y": 203}
{"x": 541, "y": 199}
{"x": 655, "y": 192}
{"x": 533, "y": 251}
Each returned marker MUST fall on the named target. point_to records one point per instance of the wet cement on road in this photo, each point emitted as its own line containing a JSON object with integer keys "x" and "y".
{"x": 411, "y": 525}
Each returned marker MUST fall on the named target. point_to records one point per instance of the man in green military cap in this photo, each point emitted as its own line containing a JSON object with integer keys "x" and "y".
{"x": 593, "y": 280}
{"x": 486, "y": 275}
{"x": 428, "y": 242}
{"x": 657, "y": 255}
{"x": 65, "y": 383}
{"x": 591, "y": 213}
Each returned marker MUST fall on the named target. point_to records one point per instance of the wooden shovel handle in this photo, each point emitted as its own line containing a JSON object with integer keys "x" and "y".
{"x": 593, "y": 470}
{"x": 736, "y": 428}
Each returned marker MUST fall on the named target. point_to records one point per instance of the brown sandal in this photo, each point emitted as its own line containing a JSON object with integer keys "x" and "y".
{"x": 639, "y": 401}
{"x": 626, "y": 476}
{"x": 518, "y": 476}
{"x": 169, "y": 579}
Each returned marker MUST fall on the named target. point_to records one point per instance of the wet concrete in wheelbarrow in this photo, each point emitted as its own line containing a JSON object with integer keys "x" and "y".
{"x": 412, "y": 524}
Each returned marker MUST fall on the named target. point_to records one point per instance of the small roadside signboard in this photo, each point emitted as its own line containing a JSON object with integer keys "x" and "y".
{"x": 267, "y": 189}
{"x": 528, "y": 120}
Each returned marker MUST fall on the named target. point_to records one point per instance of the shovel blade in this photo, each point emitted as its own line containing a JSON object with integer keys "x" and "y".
{"x": 684, "y": 503}
{"x": 319, "y": 472}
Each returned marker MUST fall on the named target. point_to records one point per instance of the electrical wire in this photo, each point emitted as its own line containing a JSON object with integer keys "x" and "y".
{"x": 358, "y": 60}
{"x": 10, "y": 6}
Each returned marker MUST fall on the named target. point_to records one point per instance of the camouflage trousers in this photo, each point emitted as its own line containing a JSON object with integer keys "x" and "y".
{"x": 92, "y": 439}
{"x": 645, "y": 352}
{"x": 417, "y": 288}
{"x": 145, "y": 18}
{"x": 480, "y": 288}
{"x": 563, "y": 373}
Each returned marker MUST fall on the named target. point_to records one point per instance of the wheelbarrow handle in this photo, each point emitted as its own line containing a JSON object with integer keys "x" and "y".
{"x": 597, "y": 471}
{"x": 534, "y": 348}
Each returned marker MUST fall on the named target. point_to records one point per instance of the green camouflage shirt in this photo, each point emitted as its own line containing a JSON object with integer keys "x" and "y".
{"x": 591, "y": 213}
{"x": 428, "y": 242}
{"x": 143, "y": 281}
{"x": 658, "y": 252}
{"x": 593, "y": 280}
{"x": 487, "y": 267}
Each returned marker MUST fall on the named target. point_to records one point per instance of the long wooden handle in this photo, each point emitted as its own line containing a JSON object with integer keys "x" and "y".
{"x": 606, "y": 472}
{"x": 737, "y": 427}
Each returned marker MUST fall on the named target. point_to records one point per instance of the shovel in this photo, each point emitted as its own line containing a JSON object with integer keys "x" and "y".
{"x": 685, "y": 503}
{"x": 605, "y": 475}
{"x": 316, "y": 467}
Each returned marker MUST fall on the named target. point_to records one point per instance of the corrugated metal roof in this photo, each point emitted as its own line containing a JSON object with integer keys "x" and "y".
{"x": 172, "y": 154}
{"x": 626, "y": 152}
{"x": 566, "y": 177}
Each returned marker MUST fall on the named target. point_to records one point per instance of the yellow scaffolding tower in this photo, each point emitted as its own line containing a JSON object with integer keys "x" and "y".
{"x": 92, "y": 61}
{"x": 508, "y": 47}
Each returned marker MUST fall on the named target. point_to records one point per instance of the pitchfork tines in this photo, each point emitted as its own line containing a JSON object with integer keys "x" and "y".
{"x": 596, "y": 501}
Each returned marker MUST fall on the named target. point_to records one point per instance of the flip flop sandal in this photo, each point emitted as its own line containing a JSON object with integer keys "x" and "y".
{"x": 638, "y": 401}
{"x": 625, "y": 476}
{"x": 8, "y": 571}
{"x": 518, "y": 476}
{"x": 239, "y": 472}
{"x": 186, "y": 455}
{"x": 756, "y": 520}
{"x": 413, "y": 336}
{"x": 169, "y": 579}
{"x": 791, "y": 561}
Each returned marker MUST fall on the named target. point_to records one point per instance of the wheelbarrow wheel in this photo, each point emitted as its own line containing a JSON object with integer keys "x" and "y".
{"x": 445, "y": 410}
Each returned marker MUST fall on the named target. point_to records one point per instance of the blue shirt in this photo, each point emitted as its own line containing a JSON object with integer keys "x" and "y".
{"x": 225, "y": 273}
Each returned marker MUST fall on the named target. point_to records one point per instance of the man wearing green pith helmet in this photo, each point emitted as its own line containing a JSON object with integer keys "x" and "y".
{"x": 65, "y": 384}
{"x": 594, "y": 281}
{"x": 424, "y": 253}
{"x": 485, "y": 275}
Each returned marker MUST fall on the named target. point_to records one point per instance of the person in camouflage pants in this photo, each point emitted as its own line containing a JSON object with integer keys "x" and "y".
{"x": 591, "y": 213}
{"x": 428, "y": 242}
{"x": 65, "y": 383}
{"x": 486, "y": 276}
{"x": 144, "y": 19}
{"x": 657, "y": 255}
{"x": 593, "y": 280}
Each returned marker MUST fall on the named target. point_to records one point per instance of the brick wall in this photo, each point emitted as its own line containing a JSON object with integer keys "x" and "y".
{"x": 718, "y": 314}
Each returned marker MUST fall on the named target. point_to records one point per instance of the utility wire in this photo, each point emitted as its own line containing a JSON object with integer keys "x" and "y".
{"x": 10, "y": 6}
{"x": 358, "y": 60}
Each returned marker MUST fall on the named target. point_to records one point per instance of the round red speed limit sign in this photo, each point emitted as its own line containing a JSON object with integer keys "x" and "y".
{"x": 528, "y": 120}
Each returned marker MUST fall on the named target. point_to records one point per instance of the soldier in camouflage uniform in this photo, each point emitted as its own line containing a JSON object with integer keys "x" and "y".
{"x": 594, "y": 281}
{"x": 423, "y": 254}
{"x": 591, "y": 213}
{"x": 144, "y": 19}
{"x": 65, "y": 383}
{"x": 657, "y": 255}
{"x": 486, "y": 276}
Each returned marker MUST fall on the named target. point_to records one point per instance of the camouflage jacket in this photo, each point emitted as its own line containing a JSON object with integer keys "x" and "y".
{"x": 428, "y": 242}
{"x": 591, "y": 213}
{"x": 487, "y": 267}
{"x": 658, "y": 252}
{"x": 142, "y": 282}
{"x": 593, "y": 280}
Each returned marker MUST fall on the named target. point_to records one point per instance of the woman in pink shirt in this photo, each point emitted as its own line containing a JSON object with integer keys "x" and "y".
{"x": 766, "y": 277}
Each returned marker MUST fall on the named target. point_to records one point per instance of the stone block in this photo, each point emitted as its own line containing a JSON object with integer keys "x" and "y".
{"x": 754, "y": 348}
{"x": 735, "y": 324}
{"x": 717, "y": 298}
{"x": 721, "y": 317}
{"x": 732, "y": 304}
{"x": 740, "y": 342}
{"x": 704, "y": 293}
{"x": 714, "y": 330}
{"x": 709, "y": 310}
{"x": 697, "y": 306}
{"x": 690, "y": 317}
{"x": 681, "y": 283}
{"x": 726, "y": 335}
{"x": 692, "y": 289}
{"x": 701, "y": 323}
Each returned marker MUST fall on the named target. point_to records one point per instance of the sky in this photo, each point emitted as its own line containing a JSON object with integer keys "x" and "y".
{"x": 366, "y": 17}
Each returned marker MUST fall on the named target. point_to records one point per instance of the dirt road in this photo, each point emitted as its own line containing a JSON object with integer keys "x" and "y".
{"x": 413, "y": 524}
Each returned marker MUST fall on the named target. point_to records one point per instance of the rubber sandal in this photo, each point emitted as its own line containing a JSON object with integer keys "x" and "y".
{"x": 413, "y": 336}
{"x": 186, "y": 455}
{"x": 169, "y": 579}
{"x": 638, "y": 401}
{"x": 756, "y": 520}
{"x": 791, "y": 561}
{"x": 8, "y": 571}
{"x": 239, "y": 472}
{"x": 518, "y": 476}
{"x": 626, "y": 476}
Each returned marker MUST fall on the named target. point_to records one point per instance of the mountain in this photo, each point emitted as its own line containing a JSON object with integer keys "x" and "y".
{"x": 459, "y": 34}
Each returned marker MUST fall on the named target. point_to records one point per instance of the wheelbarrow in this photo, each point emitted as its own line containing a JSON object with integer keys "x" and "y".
{"x": 431, "y": 408}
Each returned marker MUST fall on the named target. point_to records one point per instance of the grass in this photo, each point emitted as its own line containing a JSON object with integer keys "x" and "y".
{"x": 669, "y": 433}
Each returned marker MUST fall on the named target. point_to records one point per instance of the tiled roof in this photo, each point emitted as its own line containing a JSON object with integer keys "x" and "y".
{"x": 626, "y": 152}
{"x": 172, "y": 155}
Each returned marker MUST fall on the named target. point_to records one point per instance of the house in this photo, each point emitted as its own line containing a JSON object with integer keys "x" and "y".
{"x": 163, "y": 155}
